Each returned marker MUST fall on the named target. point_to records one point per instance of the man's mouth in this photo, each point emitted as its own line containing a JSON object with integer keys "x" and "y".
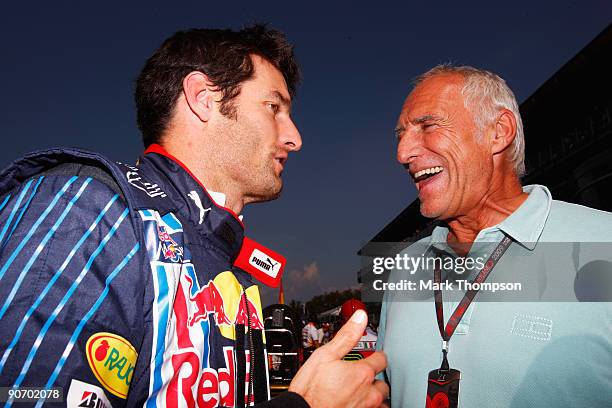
{"x": 427, "y": 173}
{"x": 281, "y": 161}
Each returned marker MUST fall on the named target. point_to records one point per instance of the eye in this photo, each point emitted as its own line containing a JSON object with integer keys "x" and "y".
{"x": 429, "y": 126}
{"x": 273, "y": 107}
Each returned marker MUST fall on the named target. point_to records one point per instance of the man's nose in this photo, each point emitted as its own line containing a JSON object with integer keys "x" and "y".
{"x": 290, "y": 136}
{"x": 409, "y": 147}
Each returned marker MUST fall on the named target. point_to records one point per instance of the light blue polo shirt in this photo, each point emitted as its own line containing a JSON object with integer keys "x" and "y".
{"x": 534, "y": 353}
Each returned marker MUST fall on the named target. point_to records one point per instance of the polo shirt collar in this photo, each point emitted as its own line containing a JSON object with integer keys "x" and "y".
{"x": 525, "y": 225}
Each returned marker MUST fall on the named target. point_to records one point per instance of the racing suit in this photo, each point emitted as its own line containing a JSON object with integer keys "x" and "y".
{"x": 118, "y": 284}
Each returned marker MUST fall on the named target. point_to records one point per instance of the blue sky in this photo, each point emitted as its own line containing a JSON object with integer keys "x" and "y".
{"x": 68, "y": 70}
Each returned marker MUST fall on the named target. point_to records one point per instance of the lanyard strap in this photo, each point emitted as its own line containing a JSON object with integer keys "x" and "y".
{"x": 465, "y": 302}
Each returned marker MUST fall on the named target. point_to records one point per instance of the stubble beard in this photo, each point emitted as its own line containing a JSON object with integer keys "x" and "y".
{"x": 257, "y": 181}
{"x": 264, "y": 186}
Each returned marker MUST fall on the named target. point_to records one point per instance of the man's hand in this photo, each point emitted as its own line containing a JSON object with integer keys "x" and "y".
{"x": 325, "y": 380}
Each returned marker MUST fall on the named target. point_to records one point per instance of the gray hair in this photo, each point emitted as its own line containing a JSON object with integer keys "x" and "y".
{"x": 484, "y": 94}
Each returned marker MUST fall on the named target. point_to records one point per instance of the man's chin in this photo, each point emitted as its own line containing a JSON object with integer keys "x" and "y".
{"x": 269, "y": 194}
{"x": 430, "y": 211}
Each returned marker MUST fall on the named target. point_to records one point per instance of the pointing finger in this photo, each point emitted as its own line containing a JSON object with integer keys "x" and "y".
{"x": 348, "y": 336}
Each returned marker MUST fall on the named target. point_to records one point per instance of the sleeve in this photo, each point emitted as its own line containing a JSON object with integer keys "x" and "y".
{"x": 285, "y": 400}
{"x": 71, "y": 297}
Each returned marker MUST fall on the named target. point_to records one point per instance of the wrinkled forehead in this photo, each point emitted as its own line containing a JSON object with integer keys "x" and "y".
{"x": 441, "y": 92}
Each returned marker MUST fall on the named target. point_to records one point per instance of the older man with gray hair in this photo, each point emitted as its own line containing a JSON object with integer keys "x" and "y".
{"x": 460, "y": 137}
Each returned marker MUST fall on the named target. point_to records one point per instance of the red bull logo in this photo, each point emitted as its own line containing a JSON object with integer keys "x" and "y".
{"x": 169, "y": 248}
{"x": 227, "y": 301}
{"x": 207, "y": 300}
{"x": 192, "y": 382}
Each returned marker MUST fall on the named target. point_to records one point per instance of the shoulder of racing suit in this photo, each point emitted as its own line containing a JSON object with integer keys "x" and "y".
{"x": 199, "y": 326}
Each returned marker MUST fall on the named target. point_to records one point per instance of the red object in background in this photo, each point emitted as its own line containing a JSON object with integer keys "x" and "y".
{"x": 349, "y": 307}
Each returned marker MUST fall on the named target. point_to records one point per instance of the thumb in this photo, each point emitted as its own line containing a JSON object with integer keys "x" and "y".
{"x": 348, "y": 336}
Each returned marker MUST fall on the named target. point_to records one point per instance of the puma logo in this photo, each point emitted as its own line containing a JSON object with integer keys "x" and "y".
{"x": 196, "y": 199}
{"x": 272, "y": 264}
{"x": 264, "y": 263}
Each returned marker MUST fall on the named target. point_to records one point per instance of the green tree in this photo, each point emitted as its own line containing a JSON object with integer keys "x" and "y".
{"x": 329, "y": 300}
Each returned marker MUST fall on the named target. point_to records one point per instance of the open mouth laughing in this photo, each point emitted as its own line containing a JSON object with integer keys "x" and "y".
{"x": 427, "y": 173}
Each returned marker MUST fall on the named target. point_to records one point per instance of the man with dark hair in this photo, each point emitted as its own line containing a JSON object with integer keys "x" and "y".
{"x": 135, "y": 285}
{"x": 225, "y": 57}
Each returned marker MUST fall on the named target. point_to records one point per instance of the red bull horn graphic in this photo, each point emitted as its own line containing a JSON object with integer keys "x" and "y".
{"x": 231, "y": 309}
{"x": 207, "y": 300}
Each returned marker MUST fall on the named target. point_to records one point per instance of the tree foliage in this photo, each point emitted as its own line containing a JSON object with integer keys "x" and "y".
{"x": 329, "y": 300}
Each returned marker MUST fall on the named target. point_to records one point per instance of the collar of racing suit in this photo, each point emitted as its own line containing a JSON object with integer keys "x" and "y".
{"x": 206, "y": 212}
{"x": 206, "y": 215}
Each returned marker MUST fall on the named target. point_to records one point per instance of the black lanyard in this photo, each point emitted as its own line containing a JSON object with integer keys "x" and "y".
{"x": 462, "y": 307}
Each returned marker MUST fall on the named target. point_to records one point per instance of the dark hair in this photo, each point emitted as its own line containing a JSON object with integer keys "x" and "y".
{"x": 223, "y": 55}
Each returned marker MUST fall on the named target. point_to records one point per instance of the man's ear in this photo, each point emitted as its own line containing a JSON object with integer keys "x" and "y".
{"x": 505, "y": 131}
{"x": 199, "y": 94}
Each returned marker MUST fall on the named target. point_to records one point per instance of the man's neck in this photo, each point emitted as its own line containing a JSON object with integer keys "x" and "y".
{"x": 495, "y": 207}
{"x": 233, "y": 199}
{"x": 208, "y": 176}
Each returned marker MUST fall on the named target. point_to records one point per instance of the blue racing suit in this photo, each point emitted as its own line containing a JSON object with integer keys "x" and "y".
{"x": 118, "y": 285}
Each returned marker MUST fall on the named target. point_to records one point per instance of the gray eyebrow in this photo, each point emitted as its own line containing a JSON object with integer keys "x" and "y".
{"x": 425, "y": 118}
{"x": 417, "y": 121}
